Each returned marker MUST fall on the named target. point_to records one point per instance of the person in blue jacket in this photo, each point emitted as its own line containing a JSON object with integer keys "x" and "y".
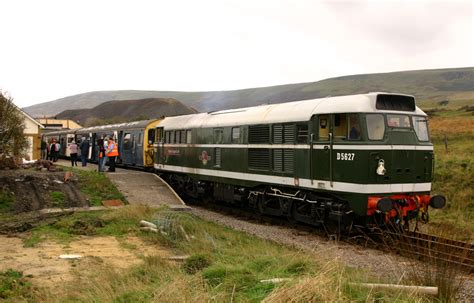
{"x": 84, "y": 151}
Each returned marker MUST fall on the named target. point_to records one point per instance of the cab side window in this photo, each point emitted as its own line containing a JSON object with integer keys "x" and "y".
{"x": 151, "y": 135}
{"x": 323, "y": 131}
{"x": 353, "y": 128}
{"x": 340, "y": 127}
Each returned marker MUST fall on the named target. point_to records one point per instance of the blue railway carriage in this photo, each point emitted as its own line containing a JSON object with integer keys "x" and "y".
{"x": 135, "y": 141}
{"x": 359, "y": 159}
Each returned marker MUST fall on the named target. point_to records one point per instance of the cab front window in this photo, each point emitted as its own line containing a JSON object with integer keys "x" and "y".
{"x": 398, "y": 121}
{"x": 420, "y": 124}
{"x": 375, "y": 126}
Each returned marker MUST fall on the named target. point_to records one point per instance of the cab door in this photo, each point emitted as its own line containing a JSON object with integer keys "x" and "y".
{"x": 322, "y": 148}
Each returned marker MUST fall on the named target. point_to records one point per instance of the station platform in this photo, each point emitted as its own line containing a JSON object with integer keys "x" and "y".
{"x": 139, "y": 187}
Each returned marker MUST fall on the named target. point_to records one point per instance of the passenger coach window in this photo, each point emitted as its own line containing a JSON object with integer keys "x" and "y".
{"x": 375, "y": 126}
{"x": 167, "y": 137}
{"x": 126, "y": 140}
{"x": 182, "y": 138}
{"x": 420, "y": 124}
{"x": 172, "y": 137}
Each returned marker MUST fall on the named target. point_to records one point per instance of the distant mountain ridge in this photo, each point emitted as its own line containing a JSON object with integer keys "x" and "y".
{"x": 425, "y": 85}
{"x": 126, "y": 110}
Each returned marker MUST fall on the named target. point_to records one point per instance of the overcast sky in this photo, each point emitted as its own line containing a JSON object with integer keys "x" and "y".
{"x": 53, "y": 49}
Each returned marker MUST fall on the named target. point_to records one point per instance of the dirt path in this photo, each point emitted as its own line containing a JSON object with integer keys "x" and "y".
{"x": 46, "y": 269}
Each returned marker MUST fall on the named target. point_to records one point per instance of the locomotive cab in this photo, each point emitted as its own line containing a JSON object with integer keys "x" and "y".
{"x": 382, "y": 160}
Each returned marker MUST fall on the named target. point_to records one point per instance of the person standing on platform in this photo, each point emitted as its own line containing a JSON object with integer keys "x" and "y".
{"x": 104, "y": 159}
{"x": 44, "y": 149}
{"x": 112, "y": 153}
{"x": 49, "y": 156}
{"x": 84, "y": 151}
{"x": 100, "y": 145}
{"x": 73, "y": 152}
{"x": 54, "y": 150}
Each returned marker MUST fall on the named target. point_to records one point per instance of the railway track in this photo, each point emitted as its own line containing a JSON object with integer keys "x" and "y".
{"x": 434, "y": 249}
{"x": 424, "y": 247}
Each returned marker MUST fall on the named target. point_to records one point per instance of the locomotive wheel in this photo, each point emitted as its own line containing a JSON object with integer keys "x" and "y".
{"x": 260, "y": 206}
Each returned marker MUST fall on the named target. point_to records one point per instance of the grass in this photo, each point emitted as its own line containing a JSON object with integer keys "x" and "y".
{"x": 224, "y": 266}
{"x": 57, "y": 198}
{"x": 97, "y": 187}
{"x": 434, "y": 268}
{"x": 14, "y": 286}
{"x": 116, "y": 223}
{"x": 7, "y": 200}
{"x": 454, "y": 173}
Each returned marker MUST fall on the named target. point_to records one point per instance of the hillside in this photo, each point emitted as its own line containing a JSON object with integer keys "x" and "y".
{"x": 456, "y": 84}
{"x": 127, "y": 110}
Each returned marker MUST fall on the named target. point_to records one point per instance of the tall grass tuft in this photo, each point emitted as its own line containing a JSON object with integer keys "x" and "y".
{"x": 433, "y": 267}
{"x": 313, "y": 288}
{"x": 448, "y": 277}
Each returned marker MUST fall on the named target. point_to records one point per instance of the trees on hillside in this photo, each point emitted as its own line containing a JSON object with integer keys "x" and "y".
{"x": 12, "y": 140}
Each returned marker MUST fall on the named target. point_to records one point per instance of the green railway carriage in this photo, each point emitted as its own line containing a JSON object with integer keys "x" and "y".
{"x": 357, "y": 158}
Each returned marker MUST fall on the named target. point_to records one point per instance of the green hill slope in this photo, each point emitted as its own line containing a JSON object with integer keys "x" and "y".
{"x": 125, "y": 111}
{"x": 455, "y": 84}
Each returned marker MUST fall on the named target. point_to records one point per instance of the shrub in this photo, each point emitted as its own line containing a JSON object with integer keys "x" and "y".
{"x": 195, "y": 263}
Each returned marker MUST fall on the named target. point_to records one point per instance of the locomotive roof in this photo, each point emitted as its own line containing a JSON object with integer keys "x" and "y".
{"x": 282, "y": 112}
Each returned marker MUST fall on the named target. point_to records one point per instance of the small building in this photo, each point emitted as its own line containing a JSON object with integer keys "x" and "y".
{"x": 57, "y": 124}
{"x": 33, "y": 130}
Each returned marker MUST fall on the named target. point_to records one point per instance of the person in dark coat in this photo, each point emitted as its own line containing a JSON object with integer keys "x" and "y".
{"x": 54, "y": 150}
{"x": 102, "y": 157}
{"x": 84, "y": 151}
{"x": 44, "y": 150}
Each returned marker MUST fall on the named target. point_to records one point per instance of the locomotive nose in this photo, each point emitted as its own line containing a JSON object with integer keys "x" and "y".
{"x": 438, "y": 201}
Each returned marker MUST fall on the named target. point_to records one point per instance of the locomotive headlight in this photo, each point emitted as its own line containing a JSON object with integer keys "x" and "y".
{"x": 381, "y": 168}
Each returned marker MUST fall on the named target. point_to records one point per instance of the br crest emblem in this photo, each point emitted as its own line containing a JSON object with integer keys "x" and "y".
{"x": 204, "y": 157}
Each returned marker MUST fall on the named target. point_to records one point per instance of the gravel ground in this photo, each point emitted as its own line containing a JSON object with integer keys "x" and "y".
{"x": 381, "y": 264}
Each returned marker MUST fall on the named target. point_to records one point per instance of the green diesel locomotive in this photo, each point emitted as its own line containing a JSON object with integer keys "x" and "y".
{"x": 359, "y": 159}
